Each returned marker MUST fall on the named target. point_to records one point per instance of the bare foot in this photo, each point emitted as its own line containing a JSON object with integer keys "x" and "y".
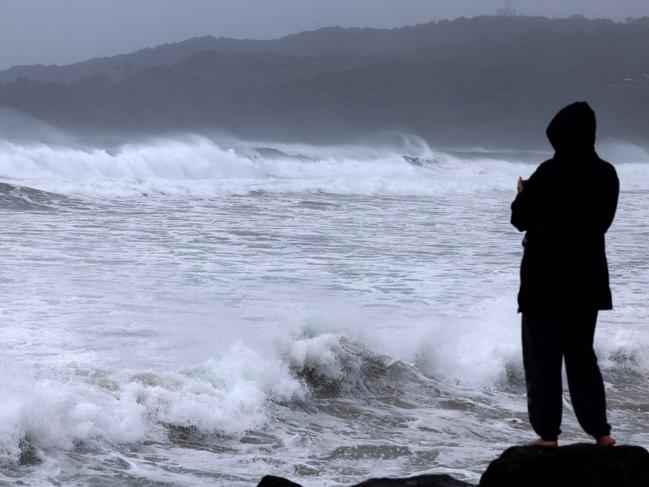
{"x": 606, "y": 441}
{"x": 540, "y": 442}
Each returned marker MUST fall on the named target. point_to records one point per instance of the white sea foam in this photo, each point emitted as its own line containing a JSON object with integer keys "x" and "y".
{"x": 198, "y": 167}
{"x": 228, "y": 396}
{"x": 346, "y": 298}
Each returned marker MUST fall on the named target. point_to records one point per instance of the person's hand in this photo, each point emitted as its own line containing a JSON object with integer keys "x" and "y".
{"x": 519, "y": 186}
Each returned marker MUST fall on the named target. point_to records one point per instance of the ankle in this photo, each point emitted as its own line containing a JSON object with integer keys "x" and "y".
{"x": 606, "y": 440}
{"x": 543, "y": 443}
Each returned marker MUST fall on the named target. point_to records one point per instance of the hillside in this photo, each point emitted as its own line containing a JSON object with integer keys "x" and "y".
{"x": 488, "y": 81}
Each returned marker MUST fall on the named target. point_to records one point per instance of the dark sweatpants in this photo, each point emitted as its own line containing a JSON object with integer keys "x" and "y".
{"x": 547, "y": 339}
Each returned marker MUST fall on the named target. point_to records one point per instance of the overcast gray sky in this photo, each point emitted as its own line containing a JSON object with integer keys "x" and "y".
{"x": 65, "y": 31}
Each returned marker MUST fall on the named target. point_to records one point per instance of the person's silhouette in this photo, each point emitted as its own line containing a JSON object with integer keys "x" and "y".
{"x": 565, "y": 207}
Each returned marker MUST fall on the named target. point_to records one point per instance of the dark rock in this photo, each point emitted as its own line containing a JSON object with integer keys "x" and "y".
{"x": 272, "y": 481}
{"x": 421, "y": 481}
{"x": 569, "y": 466}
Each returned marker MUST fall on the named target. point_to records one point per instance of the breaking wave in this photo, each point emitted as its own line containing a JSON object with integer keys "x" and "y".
{"x": 199, "y": 167}
{"x": 240, "y": 392}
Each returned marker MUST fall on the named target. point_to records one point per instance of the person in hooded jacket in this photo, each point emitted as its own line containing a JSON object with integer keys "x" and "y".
{"x": 565, "y": 208}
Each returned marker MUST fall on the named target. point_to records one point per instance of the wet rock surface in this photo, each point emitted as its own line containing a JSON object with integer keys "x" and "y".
{"x": 420, "y": 481}
{"x": 577, "y": 465}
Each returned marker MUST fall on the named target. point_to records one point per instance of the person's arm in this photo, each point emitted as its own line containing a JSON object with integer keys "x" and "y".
{"x": 524, "y": 206}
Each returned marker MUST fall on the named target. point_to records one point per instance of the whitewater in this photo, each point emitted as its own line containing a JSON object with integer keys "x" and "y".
{"x": 198, "y": 311}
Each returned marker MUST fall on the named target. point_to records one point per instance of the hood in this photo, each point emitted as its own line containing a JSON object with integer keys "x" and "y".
{"x": 573, "y": 129}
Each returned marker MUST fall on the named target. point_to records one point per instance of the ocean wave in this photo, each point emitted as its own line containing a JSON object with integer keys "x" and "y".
{"x": 232, "y": 395}
{"x": 226, "y": 396}
{"x": 331, "y": 365}
{"x": 16, "y": 197}
{"x": 199, "y": 167}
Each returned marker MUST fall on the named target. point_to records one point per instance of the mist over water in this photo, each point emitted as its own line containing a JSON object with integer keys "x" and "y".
{"x": 203, "y": 311}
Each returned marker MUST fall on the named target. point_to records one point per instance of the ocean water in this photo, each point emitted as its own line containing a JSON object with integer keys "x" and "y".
{"x": 192, "y": 312}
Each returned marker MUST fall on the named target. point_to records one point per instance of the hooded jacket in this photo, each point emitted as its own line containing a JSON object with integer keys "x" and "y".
{"x": 566, "y": 208}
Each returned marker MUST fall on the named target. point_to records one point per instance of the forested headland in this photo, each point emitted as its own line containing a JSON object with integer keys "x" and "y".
{"x": 484, "y": 81}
